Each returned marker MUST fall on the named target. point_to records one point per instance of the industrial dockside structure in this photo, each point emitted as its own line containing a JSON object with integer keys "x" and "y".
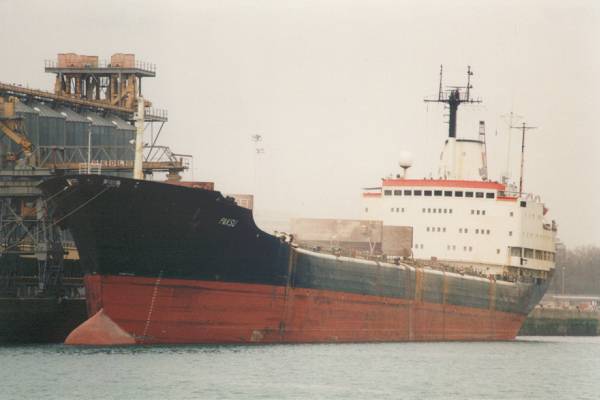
{"x": 173, "y": 264}
{"x": 84, "y": 126}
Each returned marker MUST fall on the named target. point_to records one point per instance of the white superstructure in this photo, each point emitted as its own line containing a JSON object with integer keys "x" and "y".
{"x": 468, "y": 223}
{"x": 465, "y": 220}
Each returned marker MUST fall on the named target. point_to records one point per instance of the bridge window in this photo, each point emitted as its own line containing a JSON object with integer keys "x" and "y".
{"x": 448, "y": 193}
{"x": 515, "y": 251}
{"x": 387, "y": 192}
{"x": 458, "y": 194}
{"x": 427, "y": 193}
{"x": 479, "y": 195}
{"x": 468, "y": 194}
{"x": 417, "y": 193}
{"x": 489, "y": 195}
{"x": 397, "y": 192}
{"x": 407, "y": 192}
{"x": 437, "y": 193}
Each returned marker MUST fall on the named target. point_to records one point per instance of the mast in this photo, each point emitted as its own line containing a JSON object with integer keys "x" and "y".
{"x": 482, "y": 138}
{"x": 454, "y": 97}
{"x": 523, "y": 128}
{"x": 511, "y": 119}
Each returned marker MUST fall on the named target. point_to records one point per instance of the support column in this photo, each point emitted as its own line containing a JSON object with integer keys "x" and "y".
{"x": 138, "y": 173}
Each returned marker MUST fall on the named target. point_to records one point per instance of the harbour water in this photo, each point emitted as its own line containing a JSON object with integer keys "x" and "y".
{"x": 528, "y": 368}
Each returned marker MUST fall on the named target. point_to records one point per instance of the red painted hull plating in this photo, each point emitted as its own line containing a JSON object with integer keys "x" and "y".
{"x": 171, "y": 311}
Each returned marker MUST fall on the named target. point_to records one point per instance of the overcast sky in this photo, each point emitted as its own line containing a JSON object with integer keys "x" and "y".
{"x": 336, "y": 89}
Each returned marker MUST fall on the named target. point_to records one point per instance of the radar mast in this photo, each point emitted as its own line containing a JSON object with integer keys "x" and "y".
{"x": 453, "y": 97}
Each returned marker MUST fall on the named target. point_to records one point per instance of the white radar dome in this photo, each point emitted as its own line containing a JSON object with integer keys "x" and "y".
{"x": 405, "y": 159}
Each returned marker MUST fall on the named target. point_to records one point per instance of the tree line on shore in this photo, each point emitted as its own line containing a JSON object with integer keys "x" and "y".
{"x": 577, "y": 271}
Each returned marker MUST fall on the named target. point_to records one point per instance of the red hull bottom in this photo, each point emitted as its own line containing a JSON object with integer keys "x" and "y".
{"x": 171, "y": 311}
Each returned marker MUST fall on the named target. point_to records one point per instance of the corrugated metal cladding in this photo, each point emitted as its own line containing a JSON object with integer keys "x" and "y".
{"x": 51, "y": 126}
{"x": 76, "y": 134}
{"x": 103, "y": 134}
{"x": 64, "y": 133}
{"x": 111, "y": 137}
{"x": 125, "y": 133}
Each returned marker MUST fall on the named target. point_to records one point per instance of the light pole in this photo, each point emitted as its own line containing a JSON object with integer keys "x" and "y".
{"x": 257, "y": 151}
{"x": 89, "y": 149}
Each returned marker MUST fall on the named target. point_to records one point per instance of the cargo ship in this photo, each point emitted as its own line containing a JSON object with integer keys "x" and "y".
{"x": 169, "y": 264}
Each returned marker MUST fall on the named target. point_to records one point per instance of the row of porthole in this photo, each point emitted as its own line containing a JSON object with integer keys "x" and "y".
{"x": 477, "y": 231}
{"x": 398, "y": 209}
{"x": 478, "y": 212}
{"x": 453, "y": 247}
{"x": 438, "y": 210}
{"x": 436, "y": 229}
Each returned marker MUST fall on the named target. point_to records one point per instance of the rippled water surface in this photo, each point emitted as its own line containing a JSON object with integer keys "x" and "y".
{"x": 529, "y": 368}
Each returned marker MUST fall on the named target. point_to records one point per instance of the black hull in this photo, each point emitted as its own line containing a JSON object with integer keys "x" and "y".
{"x": 151, "y": 229}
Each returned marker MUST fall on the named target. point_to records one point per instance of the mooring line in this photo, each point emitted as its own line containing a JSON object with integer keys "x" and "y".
{"x": 80, "y": 207}
{"x": 152, "y": 301}
{"x": 14, "y": 245}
